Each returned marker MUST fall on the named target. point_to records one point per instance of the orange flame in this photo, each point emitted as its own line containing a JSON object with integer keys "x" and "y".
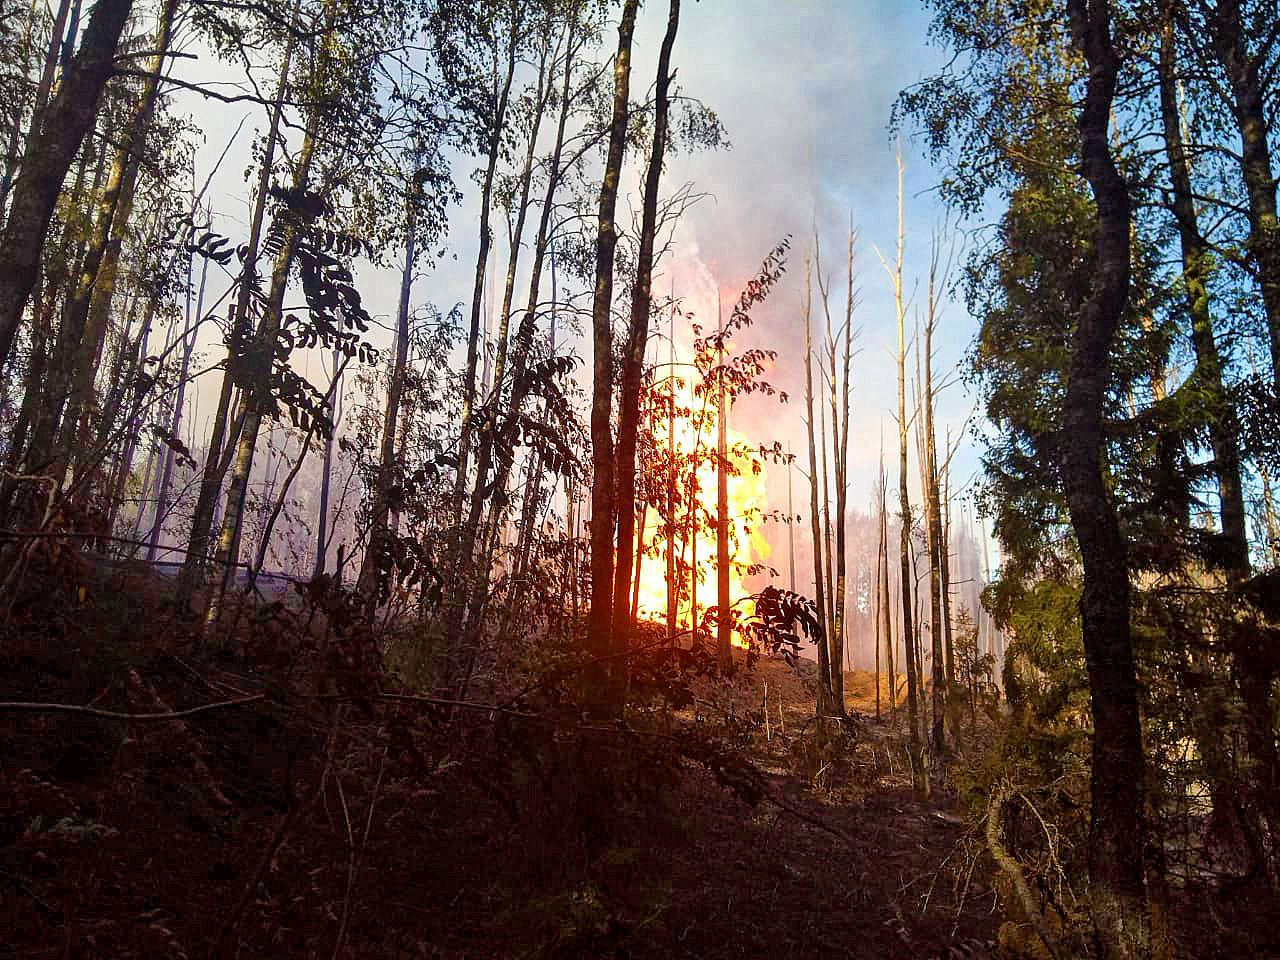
{"x": 747, "y": 500}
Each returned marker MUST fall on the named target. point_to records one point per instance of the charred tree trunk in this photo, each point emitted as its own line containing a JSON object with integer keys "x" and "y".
{"x": 825, "y": 694}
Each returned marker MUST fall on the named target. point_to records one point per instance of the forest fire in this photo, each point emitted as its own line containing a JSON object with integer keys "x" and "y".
{"x": 689, "y": 441}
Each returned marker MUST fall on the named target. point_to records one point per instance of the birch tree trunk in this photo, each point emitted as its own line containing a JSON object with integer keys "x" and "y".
{"x": 267, "y": 334}
{"x": 502, "y": 97}
{"x": 188, "y": 345}
{"x": 1224, "y": 430}
{"x": 469, "y": 592}
{"x": 85, "y": 322}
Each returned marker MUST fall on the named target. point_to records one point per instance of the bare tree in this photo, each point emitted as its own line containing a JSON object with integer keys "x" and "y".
{"x": 904, "y": 502}
{"x": 825, "y": 693}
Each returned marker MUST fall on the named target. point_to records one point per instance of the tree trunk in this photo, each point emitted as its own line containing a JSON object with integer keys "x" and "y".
{"x": 882, "y": 588}
{"x": 266, "y": 338}
{"x": 214, "y": 467}
{"x": 326, "y": 469}
{"x": 188, "y": 345}
{"x": 829, "y": 583}
{"x": 43, "y": 86}
{"x": 879, "y": 574}
{"x": 95, "y": 287}
{"x": 373, "y": 569}
{"x": 599, "y": 638}
{"x": 634, "y": 353}
{"x": 840, "y": 450}
{"x": 502, "y": 99}
{"x": 1224, "y": 429}
{"x": 673, "y": 583}
{"x": 904, "y": 503}
{"x": 929, "y": 477}
{"x": 62, "y": 126}
{"x": 825, "y": 693}
{"x": 492, "y": 407}
{"x": 724, "y": 628}
{"x": 526, "y": 329}
{"x": 945, "y": 560}
{"x": 15, "y": 128}
{"x": 1119, "y": 899}
{"x": 1248, "y": 104}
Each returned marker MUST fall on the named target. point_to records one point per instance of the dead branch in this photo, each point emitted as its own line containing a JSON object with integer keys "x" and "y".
{"x": 17, "y": 705}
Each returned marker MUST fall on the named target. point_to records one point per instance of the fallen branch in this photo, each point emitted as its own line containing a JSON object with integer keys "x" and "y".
{"x": 17, "y": 705}
{"x": 1002, "y": 794}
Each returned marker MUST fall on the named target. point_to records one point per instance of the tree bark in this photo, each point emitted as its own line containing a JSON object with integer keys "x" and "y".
{"x": 188, "y": 345}
{"x": 266, "y": 338}
{"x": 326, "y": 470}
{"x": 599, "y": 635}
{"x": 904, "y": 503}
{"x": 637, "y": 343}
{"x": 882, "y": 587}
{"x": 724, "y": 629}
{"x": 1119, "y": 898}
{"x": 63, "y": 124}
{"x": 929, "y": 475}
{"x": 472, "y": 590}
{"x": 43, "y": 86}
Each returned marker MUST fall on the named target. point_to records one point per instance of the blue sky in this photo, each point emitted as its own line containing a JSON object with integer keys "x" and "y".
{"x": 805, "y": 91}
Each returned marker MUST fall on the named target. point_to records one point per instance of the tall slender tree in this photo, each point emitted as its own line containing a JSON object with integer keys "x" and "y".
{"x": 600, "y": 639}
{"x": 1120, "y": 901}
{"x": 637, "y": 339}
{"x": 60, "y": 127}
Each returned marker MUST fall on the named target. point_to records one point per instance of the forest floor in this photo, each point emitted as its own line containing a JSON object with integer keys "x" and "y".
{"x": 275, "y": 828}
